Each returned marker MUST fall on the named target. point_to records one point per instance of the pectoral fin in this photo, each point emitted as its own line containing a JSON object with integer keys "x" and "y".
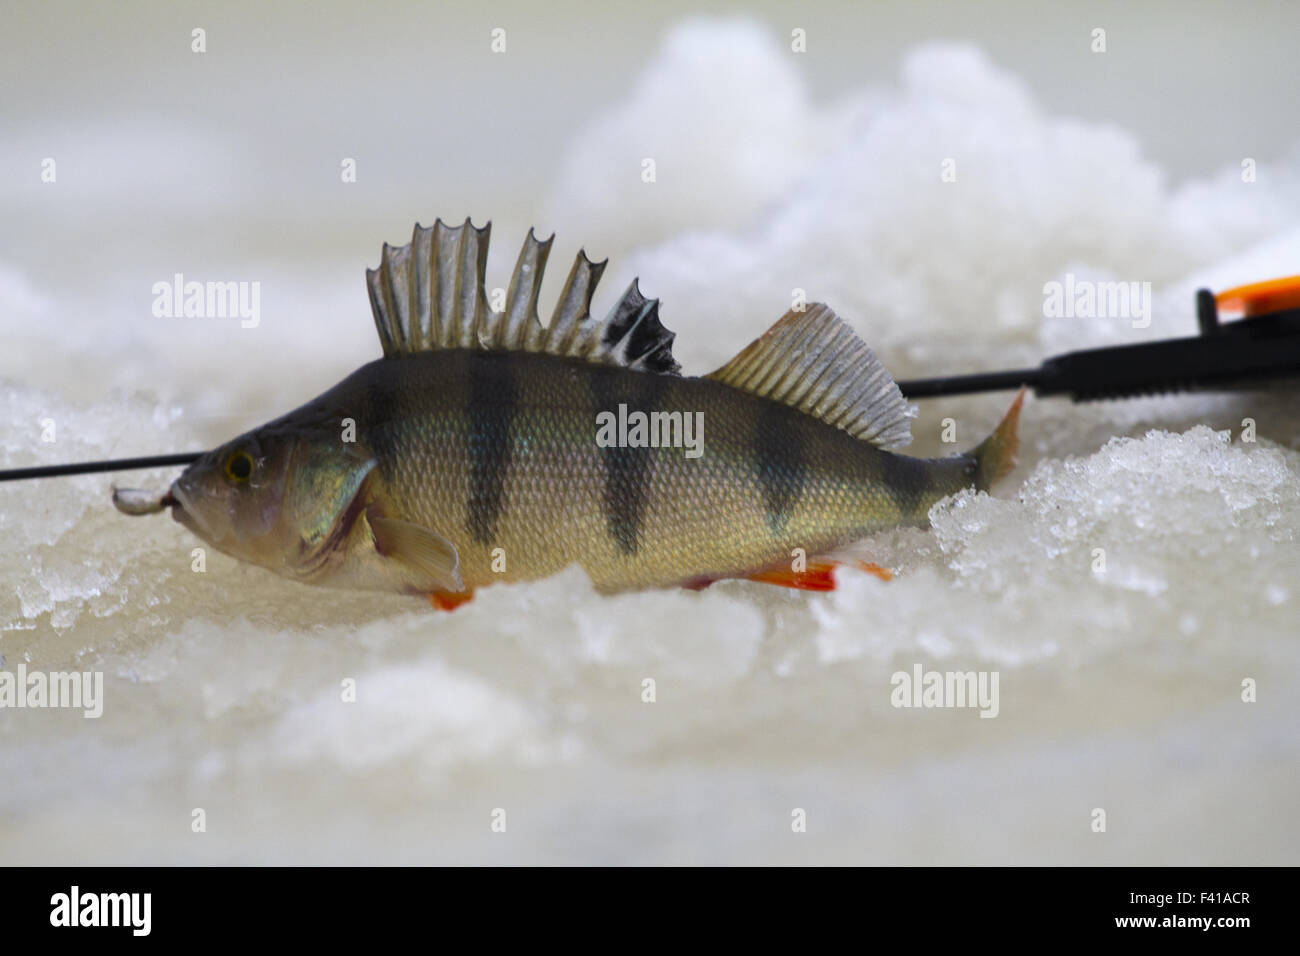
{"x": 432, "y": 559}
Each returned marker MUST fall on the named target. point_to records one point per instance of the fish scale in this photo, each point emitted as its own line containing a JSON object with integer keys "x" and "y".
{"x": 561, "y": 503}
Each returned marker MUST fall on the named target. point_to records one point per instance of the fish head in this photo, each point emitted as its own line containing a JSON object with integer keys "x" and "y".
{"x": 282, "y": 497}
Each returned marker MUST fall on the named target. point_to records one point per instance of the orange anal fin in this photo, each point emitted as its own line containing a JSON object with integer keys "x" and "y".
{"x": 883, "y": 573}
{"x": 449, "y": 601}
{"x": 819, "y": 575}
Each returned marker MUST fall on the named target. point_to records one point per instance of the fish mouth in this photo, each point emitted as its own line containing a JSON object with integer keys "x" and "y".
{"x": 183, "y": 511}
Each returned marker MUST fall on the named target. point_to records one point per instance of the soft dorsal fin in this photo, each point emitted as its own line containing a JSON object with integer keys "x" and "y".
{"x": 814, "y": 362}
{"x": 429, "y": 295}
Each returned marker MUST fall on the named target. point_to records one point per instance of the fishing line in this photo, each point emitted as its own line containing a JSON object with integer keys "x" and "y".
{"x": 88, "y": 467}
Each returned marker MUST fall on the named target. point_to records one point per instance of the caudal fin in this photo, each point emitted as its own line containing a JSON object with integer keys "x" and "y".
{"x": 996, "y": 455}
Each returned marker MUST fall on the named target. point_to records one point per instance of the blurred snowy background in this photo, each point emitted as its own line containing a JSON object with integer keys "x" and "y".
{"x": 774, "y": 170}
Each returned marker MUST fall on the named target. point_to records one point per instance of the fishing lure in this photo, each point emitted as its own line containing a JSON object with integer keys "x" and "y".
{"x": 485, "y": 446}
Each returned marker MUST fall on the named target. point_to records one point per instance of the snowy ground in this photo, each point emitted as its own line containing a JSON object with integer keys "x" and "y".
{"x": 1120, "y": 689}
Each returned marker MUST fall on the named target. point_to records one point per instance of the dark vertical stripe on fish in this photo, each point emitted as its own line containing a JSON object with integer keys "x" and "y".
{"x": 627, "y": 470}
{"x": 913, "y": 481}
{"x": 373, "y": 426}
{"x": 781, "y": 463}
{"x": 493, "y": 394}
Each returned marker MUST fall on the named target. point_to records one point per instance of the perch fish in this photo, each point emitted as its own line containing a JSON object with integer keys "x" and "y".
{"x": 486, "y": 447}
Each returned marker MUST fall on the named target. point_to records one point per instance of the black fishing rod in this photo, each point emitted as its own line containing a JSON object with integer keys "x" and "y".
{"x": 1252, "y": 352}
{"x": 1256, "y": 351}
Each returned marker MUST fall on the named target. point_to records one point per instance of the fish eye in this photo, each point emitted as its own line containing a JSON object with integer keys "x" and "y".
{"x": 239, "y": 466}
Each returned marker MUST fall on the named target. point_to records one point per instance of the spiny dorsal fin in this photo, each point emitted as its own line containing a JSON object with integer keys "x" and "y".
{"x": 429, "y": 295}
{"x": 814, "y": 362}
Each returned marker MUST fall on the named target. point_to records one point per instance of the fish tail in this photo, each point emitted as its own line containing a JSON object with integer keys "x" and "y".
{"x": 996, "y": 455}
